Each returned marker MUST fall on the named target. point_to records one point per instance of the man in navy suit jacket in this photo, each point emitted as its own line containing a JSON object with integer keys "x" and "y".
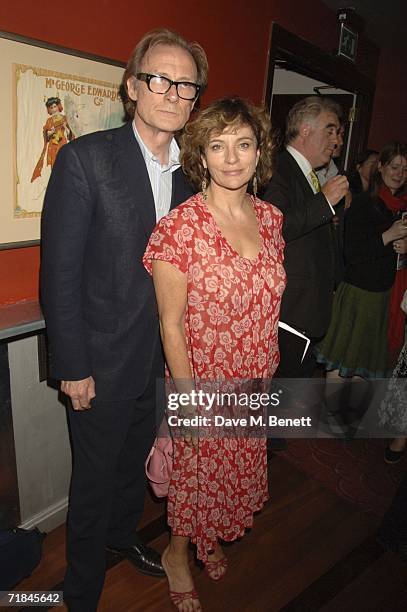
{"x": 313, "y": 126}
{"x": 105, "y": 194}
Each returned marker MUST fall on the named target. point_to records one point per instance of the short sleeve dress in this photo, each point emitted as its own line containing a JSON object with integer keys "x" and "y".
{"x": 231, "y": 330}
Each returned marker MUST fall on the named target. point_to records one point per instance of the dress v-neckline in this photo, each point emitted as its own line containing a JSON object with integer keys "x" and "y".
{"x": 222, "y": 237}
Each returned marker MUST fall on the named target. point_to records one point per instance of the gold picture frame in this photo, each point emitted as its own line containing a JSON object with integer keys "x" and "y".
{"x": 49, "y": 96}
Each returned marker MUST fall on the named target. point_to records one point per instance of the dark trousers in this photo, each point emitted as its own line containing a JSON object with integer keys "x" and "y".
{"x": 300, "y": 396}
{"x": 291, "y": 349}
{"x": 110, "y": 443}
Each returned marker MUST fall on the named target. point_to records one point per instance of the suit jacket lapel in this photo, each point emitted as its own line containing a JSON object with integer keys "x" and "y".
{"x": 307, "y": 190}
{"x": 300, "y": 175}
{"x": 181, "y": 189}
{"x": 174, "y": 191}
{"x": 135, "y": 176}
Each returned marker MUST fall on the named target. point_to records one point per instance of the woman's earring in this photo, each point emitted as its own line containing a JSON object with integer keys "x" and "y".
{"x": 254, "y": 185}
{"x": 204, "y": 186}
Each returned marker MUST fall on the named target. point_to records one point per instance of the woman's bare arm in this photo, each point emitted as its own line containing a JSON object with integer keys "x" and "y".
{"x": 171, "y": 290}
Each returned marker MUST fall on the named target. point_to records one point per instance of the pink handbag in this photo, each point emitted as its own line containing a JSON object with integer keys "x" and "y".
{"x": 159, "y": 465}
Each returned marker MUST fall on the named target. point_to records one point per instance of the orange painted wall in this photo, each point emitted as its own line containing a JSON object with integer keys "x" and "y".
{"x": 19, "y": 274}
{"x": 234, "y": 33}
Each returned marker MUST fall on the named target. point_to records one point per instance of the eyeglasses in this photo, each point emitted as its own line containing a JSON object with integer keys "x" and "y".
{"x": 161, "y": 85}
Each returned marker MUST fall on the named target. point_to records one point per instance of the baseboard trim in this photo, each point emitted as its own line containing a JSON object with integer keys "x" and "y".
{"x": 49, "y": 518}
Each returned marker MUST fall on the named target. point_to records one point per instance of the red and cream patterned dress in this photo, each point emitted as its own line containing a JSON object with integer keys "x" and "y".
{"x": 231, "y": 333}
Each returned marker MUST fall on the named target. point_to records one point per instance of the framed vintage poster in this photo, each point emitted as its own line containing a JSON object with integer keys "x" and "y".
{"x": 49, "y": 96}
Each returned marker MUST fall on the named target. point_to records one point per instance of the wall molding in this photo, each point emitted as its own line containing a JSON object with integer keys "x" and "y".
{"x": 49, "y": 518}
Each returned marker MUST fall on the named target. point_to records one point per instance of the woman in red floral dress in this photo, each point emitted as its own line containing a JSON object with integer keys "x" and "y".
{"x": 217, "y": 266}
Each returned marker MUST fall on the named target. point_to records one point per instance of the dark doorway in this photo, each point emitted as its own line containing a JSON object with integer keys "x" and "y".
{"x": 297, "y": 56}
{"x": 282, "y": 104}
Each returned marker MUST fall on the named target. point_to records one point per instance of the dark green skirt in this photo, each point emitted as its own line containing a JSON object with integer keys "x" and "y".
{"x": 356, "y": 341}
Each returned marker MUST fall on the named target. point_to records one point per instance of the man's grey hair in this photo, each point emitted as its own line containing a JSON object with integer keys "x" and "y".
{"x": 162, "y": 36}
{"x": 309, "y": 109}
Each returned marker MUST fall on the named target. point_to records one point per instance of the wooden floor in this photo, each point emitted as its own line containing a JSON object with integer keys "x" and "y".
{"x": 309, "y": 550}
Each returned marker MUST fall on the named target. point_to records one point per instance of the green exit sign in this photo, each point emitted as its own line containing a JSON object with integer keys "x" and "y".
{"x": 348, "y": 43}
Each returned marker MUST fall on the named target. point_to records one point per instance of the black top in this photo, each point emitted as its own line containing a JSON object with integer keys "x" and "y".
{"x": 369, "y": 264}
{"x": 355, "y": 183}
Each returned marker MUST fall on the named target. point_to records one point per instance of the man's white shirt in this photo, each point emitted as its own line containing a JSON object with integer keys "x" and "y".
{"x": 160, "y": 174}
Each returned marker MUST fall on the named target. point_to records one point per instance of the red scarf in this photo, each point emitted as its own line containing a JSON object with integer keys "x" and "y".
{"x": 394, "y": 203}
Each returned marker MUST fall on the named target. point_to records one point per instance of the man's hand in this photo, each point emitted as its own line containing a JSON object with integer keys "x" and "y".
{"x": 81, "y": 392}
{"x": 190, "y": 440}
{"x": 400, "y": 246}
{"x": 335, "y": 189}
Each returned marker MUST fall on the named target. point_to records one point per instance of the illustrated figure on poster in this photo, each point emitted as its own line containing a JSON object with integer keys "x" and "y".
{"x": 77, "y": 115}
{"x": 56, "y": 133}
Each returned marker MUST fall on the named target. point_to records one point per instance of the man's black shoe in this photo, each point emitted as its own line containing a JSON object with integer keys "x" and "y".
{"x": 145, "y": 559}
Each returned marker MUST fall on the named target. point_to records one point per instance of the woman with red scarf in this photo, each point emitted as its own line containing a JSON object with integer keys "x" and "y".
{"x": 357, "y": 342}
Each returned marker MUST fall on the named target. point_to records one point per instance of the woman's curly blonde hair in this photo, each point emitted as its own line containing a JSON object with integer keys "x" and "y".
{"x": 221, "y": 115}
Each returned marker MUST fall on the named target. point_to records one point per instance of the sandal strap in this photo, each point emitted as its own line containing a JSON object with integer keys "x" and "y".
{"x": 219, "y": 564}
{"x": 178, "y": 598}
{"x": 216, "y": 569}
